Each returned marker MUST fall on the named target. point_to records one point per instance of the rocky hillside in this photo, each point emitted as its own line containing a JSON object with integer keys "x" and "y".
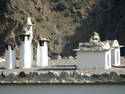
{"x": 64, "y": 22}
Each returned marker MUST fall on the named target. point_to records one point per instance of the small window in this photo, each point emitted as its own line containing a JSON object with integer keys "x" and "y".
{"x": 12, "y": 46}
{"x": 41, "y": 43}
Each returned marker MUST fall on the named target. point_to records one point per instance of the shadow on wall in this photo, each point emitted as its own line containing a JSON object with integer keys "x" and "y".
{"x": 107, "y": 18}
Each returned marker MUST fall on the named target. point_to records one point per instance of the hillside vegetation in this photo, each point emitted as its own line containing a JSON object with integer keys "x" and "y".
{"x": 64, "y": 22}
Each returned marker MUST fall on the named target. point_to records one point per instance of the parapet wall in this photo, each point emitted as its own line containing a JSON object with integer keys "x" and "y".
{"x": 74, "y": 76}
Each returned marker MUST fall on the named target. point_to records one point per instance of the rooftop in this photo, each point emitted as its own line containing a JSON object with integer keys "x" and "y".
{"x": 94, "y": 46}
{"x": 98, "y": 46}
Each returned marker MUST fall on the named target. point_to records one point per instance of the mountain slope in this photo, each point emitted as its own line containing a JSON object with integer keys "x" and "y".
{"x": 64, "y": 22}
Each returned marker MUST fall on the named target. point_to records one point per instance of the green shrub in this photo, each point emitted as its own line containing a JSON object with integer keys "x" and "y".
{"x": 60, "y": 7}
{"x": 39, "y": 19}
{"x": 78, "y": 5}
{"x": 67, "y": 13}
{"x": 55, "y": 1}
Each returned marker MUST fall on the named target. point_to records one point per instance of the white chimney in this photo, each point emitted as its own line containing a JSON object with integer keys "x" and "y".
{"x": 26, "y": 51}
{"x": 10, "y": 56}
{"x": 42, "y": 52}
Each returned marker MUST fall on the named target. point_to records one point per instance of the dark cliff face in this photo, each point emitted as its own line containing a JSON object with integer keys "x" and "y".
{"x": 74, "y": 19}
{"x": 107, "y": 18}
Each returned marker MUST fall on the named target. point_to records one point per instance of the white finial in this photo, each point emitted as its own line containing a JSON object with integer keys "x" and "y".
{"x": 29, "y": 21}
{"x": 95, "y": 37}
{"x": 115, "y": 43}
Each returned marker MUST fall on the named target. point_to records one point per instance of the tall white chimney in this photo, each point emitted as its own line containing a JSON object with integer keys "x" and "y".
{"x": 26, "y": 47}
{"x": 42, "y": 52}
{"x": 10, "y": 56}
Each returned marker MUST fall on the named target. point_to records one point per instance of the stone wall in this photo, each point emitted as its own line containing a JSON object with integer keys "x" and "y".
{"x": 74, "y": 76}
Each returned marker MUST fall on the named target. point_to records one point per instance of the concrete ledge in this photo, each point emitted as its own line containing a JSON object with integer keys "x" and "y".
{"x": 75, "y": 76}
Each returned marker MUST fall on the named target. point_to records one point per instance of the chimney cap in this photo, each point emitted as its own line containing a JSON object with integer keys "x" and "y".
{"x": 43, "y": 38}
{"x": 26, "y": 33}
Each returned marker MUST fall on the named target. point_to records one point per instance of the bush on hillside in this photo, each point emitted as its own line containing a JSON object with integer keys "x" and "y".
{"x": 78, "y": 5}
{"x": 67, "y": 13}
{"x": 60, "y": 7}
{"x": 39, "y": 19}
{"x": 54, "y": 1}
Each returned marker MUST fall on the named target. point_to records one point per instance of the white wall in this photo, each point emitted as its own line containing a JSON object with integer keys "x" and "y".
{"x": 10, "y": 57}
{"x": 107, "y": 59}
{"x": 88, "y": 60}
{"x": 38, "y": 54}
{"x": 115, "y": 56}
